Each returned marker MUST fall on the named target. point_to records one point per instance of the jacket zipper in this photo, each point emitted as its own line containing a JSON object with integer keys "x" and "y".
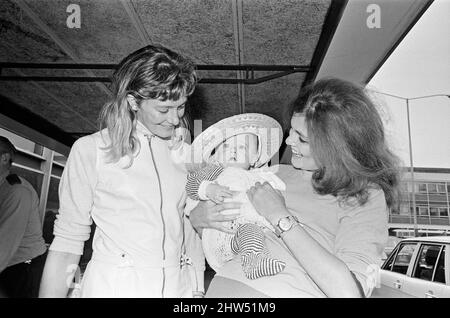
{"x": 161, "y": 213}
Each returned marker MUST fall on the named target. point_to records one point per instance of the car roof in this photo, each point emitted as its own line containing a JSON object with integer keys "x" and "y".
{"x": 437, "y": 239}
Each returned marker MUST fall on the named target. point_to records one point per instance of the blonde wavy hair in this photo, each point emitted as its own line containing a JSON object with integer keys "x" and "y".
{"x": 152, "y": 72}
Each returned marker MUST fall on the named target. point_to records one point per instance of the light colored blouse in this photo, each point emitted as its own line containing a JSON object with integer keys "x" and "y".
{"x": 356, "y": 235}
{"x": 139, "y": 214}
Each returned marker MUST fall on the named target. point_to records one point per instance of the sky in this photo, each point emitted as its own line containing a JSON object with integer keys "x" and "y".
{"x": 419, "y": 66}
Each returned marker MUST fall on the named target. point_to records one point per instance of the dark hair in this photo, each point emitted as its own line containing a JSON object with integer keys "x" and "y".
{"x": 347, "y": 142}
{"x": 7, "y": 147}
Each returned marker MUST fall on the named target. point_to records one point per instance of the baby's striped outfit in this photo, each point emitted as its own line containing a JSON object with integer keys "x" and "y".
{"x": 249, "y": 239}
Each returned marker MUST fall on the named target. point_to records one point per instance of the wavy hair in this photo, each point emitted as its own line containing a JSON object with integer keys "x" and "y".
{"x": 152, "y": 72}
{"x": 347, "y": 141}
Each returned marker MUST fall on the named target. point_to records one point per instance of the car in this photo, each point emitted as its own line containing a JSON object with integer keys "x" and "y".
{"x": 417, "y": 267}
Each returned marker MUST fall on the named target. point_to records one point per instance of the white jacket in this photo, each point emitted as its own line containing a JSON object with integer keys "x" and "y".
{"x": 139, "y": 214}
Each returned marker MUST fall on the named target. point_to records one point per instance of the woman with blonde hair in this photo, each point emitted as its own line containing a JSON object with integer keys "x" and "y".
{"x": 125, "y": 180}
{"x": 331, "y": 222}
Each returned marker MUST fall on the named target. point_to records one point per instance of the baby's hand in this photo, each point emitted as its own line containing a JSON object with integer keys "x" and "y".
{"x": 218, "y": 193}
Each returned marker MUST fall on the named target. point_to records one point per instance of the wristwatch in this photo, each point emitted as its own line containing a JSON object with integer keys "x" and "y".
{"x": 285, "y": 223}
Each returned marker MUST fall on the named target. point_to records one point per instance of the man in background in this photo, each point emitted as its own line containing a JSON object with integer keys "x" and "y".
{"x": 22, "y": 247}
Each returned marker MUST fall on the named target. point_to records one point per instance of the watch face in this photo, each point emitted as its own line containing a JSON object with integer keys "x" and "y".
{"x": 285, "y": 224}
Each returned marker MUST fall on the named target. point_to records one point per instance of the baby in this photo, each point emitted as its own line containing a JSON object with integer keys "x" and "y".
{"x": 232, "y": 172}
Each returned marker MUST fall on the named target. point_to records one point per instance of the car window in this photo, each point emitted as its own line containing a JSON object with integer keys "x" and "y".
{"x": 388, "y": 263}
{"x": 400, "y": 262}
{"x": 439, "y": 274}
{"x": 427, "y": 260}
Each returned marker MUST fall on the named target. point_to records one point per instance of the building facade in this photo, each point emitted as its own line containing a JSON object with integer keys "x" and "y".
{"x": 432, "y": 204}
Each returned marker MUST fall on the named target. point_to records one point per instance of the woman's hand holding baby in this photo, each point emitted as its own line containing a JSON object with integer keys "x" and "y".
{"x": 268, "y": 202}
{"x": 207, "y": 214}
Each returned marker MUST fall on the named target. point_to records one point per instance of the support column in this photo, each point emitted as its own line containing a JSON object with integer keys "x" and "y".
{"x": 46, "y": 168}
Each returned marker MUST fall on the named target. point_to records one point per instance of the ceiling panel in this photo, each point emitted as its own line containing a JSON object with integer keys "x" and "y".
{"x": 22, "y": 40}
{"x": 106, "y": 34}
{"x": 211, "y": 103}
{"x": 273, "y": 97}
{"x": 29, "y": 96}
{"x": 84, "y": 99}
{"x": 201, "y": 29}
{"x": 282, "y": 32}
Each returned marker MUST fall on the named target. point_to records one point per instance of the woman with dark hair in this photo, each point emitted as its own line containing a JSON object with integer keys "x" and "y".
{"x": 332, "y": 220}
{"x": 124, "y": 179}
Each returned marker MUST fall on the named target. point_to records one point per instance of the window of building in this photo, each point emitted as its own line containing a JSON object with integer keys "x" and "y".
{"x": 422, "y": 187}
{"x": 443, "y": 211}
{"x": 434, "y": 211}
{"x": 423, "y": 210}
{"x": 432, "y": 187}
{"x": 404, "y": 208}
{"x": 441, "y": 188}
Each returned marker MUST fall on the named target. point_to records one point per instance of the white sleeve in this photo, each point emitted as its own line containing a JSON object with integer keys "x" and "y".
{"x": 72, "y": 225}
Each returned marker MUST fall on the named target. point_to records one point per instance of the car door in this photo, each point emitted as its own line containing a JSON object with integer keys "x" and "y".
{"x": 442, "y": 275}
{"x": 419, "y": 281}
{"x": 394, "y": 270}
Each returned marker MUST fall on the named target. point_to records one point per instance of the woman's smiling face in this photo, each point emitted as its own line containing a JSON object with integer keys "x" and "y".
{"x": 161, "y": 117}
{"x": 299, "y": 142}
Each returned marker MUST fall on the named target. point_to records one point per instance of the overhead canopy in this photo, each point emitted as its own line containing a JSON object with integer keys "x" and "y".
{"x": 311, "y": 38}
{"x": 358, "y": 48}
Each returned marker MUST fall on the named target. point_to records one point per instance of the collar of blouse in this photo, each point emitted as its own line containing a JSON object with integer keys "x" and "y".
{"x": 141, "y": 129}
